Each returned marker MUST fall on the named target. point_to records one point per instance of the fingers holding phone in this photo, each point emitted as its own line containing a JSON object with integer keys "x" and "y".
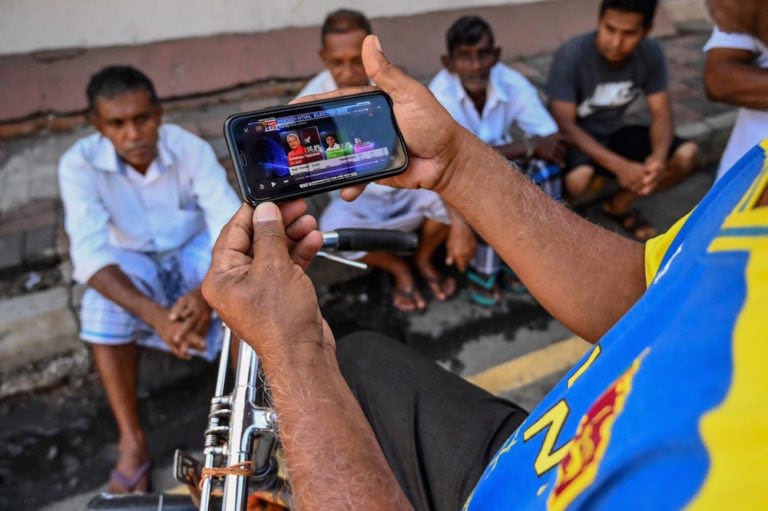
{"x": 437, "y": 145}
{"x": 256, "y": 284}
{"x": 433, "y": 138}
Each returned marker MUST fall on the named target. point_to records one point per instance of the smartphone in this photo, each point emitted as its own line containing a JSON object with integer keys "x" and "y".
{"x": 299, "y": 150}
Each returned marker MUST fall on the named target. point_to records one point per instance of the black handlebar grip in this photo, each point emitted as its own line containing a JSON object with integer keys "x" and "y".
{"x": 371, "y": 240}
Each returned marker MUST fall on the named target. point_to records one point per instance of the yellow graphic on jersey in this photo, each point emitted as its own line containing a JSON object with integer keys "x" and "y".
{"x": 736, "y": 431}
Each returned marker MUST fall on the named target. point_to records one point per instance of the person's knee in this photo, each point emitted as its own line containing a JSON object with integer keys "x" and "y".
{"x": 111, "y": 359}
{"x": 103, "y": 350}
{"x": 577, "y": 180}
{"x": 685, "y": 159}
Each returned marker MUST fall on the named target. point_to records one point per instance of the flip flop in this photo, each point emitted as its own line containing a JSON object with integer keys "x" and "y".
{"x": 484, "y": 290}
{"x": 439, "y": 282}
{"x": 633, "y": 222}
{"x": 510, "y": 280}
{"x": 130, "y": 483}
{"x": 409, "y": 295}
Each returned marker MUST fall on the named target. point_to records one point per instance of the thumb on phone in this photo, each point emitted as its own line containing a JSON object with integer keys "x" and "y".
{"x": 380, "y": 70}
{"x": 270, "y": 244}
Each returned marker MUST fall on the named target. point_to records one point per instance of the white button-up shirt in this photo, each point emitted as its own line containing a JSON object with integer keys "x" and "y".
{"x": 108, "y": 204}
{"x": 321, "y": 82}
{"x": 511, "y": 98}
{"x": 751, "y": 125}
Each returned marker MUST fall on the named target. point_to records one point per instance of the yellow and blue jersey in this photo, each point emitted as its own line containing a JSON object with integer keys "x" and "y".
{"x": 668, "y": 410}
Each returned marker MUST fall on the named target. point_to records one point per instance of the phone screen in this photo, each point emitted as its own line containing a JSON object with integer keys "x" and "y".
{"x": 302, "y": 149}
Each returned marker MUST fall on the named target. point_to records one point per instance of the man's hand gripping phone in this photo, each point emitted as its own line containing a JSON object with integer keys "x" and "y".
{"x": 434, "y": 140}
{"x": 257, "y": 281}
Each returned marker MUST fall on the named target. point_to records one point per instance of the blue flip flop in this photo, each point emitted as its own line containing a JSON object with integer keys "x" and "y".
{"x": 510, "y": 281}
{"x": 484, "y": 289}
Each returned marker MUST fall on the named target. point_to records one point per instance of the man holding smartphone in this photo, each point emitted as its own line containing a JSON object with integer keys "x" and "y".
{"x": 666, "y": 411}
{"x": 143, "y": 202}
{"x": 381, "y": 206}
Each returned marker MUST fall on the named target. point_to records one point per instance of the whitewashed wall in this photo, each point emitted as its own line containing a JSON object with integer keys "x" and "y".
{"x": 34, "y": 25}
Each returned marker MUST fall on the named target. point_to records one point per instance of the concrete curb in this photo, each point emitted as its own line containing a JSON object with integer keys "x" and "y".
{"x": 36, "y": 326}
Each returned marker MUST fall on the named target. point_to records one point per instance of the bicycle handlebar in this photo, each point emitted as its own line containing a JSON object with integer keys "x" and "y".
{"x": 371, "y": 240}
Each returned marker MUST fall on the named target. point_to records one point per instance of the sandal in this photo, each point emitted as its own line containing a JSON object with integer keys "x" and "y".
{"x": 131, "y": 483}
{"x": 408, "y": 300}
{"x": 510, "y": 282}
{"x": 484, "y": 291}
{"x": 441, "y": 285}
{"x": 634, "y": 223}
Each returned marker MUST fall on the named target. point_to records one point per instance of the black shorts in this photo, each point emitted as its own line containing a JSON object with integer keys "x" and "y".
{"x": 632, "y": 142}
{"x": 437, "y": 430}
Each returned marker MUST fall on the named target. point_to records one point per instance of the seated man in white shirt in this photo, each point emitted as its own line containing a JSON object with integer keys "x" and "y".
{"x": 492, "y": 101}
{"x": 341, "y": 38}
{"x": 381, "y": 206}
{"x": 143, "y": 203}
{"x": 736, "y": 72}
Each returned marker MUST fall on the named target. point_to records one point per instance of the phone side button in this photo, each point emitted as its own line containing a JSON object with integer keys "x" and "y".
{"x": 243, "y": 160}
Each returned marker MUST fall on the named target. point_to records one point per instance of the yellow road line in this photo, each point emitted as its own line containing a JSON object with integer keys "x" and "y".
{"x": 521, "y": 371}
